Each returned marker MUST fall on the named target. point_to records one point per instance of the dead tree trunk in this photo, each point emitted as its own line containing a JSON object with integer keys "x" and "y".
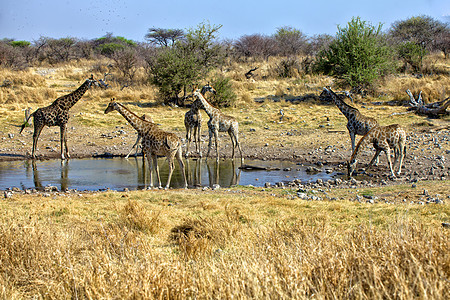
{"x": 433, "y": 109}
{"x": 250, "y": 74}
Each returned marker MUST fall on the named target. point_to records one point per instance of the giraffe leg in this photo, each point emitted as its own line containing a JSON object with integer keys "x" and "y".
{"x": 64, "y": 148}
{"x": 155, "y": 164}
{"x": 37, "y": 131}
{"x": 180, "y": 162}
{"x": 188, "y": 138}
{"x": 233, "y": 145}
{"x": 375, "y": 157}
{"x": 388, "y": 155}
{"x": 216, "y": 137}
{"x": 210, "y": 143}
{"x": 352, "y": 138}
{"x": 135, "y": 146}
{"x": 239, "y": 147}
{"x": 150, "y": 165}
{"x": 199, "y": 140}
{"x": 169, "y": 177}
{"x": 402, "y": 155}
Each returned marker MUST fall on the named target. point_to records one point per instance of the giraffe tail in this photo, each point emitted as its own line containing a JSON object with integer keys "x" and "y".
{"x": 26, "y": 124}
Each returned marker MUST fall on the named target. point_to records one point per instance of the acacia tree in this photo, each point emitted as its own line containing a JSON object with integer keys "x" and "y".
{"x": 164, "y": 37}
{"x": 174, "y": 68}
{"x": 357, "y": 56}
{"x": 416, "y": 36}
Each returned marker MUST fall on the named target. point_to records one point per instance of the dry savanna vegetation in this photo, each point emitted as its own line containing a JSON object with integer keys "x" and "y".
{"x": 241, "y": 242}
{"x": 235, "y": 243}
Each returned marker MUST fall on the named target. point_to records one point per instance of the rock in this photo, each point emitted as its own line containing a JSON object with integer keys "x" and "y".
{"x": 302, "y": 196}
{"x": 280, "y": 184}
{"x": 51, "y": 188}
{"x": 267, "y": 185}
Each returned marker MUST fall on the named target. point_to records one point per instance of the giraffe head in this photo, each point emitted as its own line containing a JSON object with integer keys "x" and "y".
{"x": 351, "y": 166}
{"x": 328, "y": 92}
{"x": 111, "y": 106}
{"x": 91, "y": 81}
{"x": 147, "y": 118}
{"x": 208, "y": 88}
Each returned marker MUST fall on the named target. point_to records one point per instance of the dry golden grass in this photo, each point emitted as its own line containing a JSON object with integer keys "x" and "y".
{"x": 241, "y": 243}
{"x": 237, "y": 243}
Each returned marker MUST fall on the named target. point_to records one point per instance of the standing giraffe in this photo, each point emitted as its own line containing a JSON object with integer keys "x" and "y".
{"x": 383, "y": 138}
{"x": 357, "y": 124}
{"x": 138, "y": 139}
{"x": 218, "y": 122}
{"x": 154, "y": 142}
{"x": 57, "y": 114}
{"x": 193, "y": 121}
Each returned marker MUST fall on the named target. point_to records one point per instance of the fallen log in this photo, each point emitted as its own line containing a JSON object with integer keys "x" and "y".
{"x": 257, "y": 168}
{"x": 433, "y": 109}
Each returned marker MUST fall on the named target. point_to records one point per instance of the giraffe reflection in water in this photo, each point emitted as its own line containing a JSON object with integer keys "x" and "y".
{"x": 214, "y": 174}
{"x": 64, "y": 181}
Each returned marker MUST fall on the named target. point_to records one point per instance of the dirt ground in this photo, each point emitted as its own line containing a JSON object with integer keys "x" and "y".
{"x": 427, "y": 155}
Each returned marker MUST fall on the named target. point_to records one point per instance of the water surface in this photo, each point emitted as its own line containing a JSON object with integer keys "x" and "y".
{"x": 119, "y": 173}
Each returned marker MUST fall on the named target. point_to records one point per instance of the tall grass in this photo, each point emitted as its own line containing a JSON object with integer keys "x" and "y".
{"x": 223, "y": 253}
{"x": 284, "y": 261}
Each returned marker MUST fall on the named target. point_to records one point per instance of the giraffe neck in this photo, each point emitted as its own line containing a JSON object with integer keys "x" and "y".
{"x": 347, "y": 110}
{"x": 364, "y": 141}
{"x": 136, "y": 122}
{"x": 209, "y": 109}
{"x": 72, "y": 98}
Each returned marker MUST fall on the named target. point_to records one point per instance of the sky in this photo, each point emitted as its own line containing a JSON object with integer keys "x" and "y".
{"x": 83, "y": 19}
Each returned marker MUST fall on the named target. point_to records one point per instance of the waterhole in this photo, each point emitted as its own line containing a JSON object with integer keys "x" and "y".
{"x": 119, "y": 173}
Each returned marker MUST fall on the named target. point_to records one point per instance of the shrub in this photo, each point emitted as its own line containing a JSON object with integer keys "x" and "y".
{"x": 287, "y": 68}
{"x": 175, "y": 68}
{"x": 225, "y": 95}
{"x": 412, "y": 54}
{"x": 108, "y": 49}
{"x": 358, "y": 55}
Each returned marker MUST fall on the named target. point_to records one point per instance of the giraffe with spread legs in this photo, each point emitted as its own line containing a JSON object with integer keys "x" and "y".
{"x": 357, "y": 123}
{"x": 193, "y": 122}
{"x": 155, "y": 141}
{"x": 219, "y": 122}
{"x": 57, "y": 114}
{"x": 138, "y": 139}
{"x": 383, "y": 138}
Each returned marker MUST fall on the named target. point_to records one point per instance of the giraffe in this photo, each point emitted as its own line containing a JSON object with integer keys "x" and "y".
{"x": 193, "y": 121}
{"x": 57, "y": 114}
{"x": 138, "y": 139}
{"x": 357, "y": 124}
{"x": 155, "y": 142}
{"x": 383, "y": 138}
{"x": 219, "y": 122}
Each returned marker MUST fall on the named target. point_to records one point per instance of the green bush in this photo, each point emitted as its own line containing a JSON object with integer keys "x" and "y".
{"x": 20, "y": 44}
{"x": 225, "y": 95}
{"x": 108, "y": 49}
{"x": 174, "y": 69}
{"x": 358, "y": 56}
{"x": 412, "y": 54}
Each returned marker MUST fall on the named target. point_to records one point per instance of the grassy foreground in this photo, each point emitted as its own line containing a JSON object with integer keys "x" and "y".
{"x": 228, "y": 243}
{"x": 234, "y": 243}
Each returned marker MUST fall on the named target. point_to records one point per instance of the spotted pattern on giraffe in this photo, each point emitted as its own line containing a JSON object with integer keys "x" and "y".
{"x": 57, "y": 114}
{"x": 155, "y": 142}
{"x": 383, "y": 138}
